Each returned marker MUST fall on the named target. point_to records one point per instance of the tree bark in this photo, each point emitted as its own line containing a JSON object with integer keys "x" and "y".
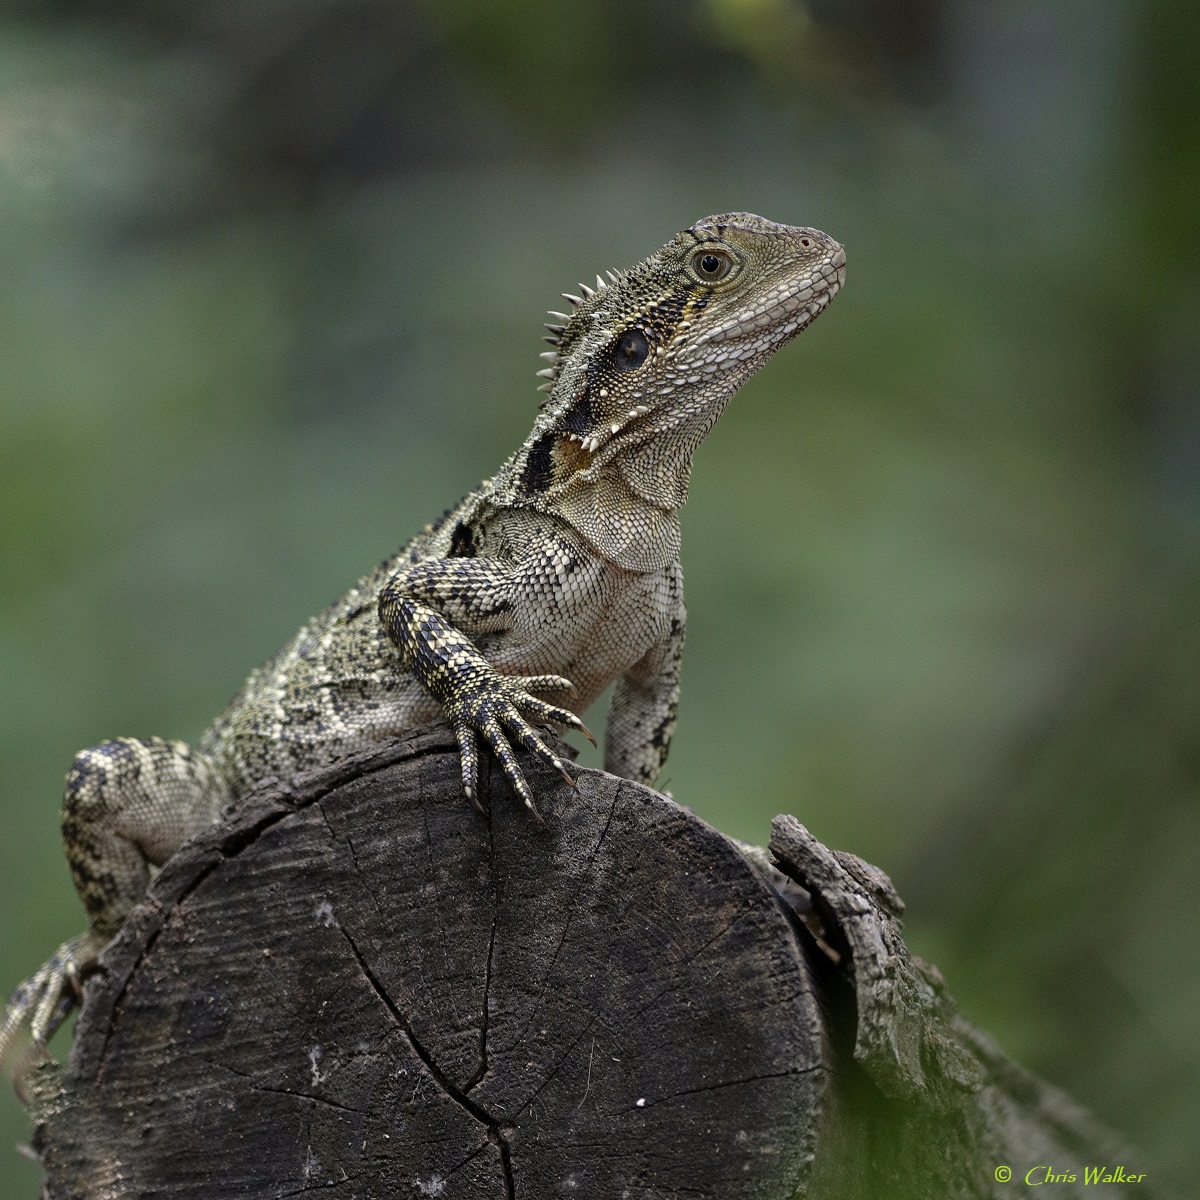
{"x": 361, "y": 987}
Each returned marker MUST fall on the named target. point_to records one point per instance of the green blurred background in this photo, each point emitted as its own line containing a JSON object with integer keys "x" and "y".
{"x": 272, "y": 274}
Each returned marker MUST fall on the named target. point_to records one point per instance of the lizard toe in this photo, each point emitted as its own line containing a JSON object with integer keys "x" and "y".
{"x": 555, "y": 715}
{"x": 529, "y": 739}
{"x": 495, "y": 738}
{"x": 546, "y": 683}
{"x": 468, "y": 754}
{"x": 49, "y": 995}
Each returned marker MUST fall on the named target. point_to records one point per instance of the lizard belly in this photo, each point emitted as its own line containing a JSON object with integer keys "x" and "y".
{"x": 591, "y": 643}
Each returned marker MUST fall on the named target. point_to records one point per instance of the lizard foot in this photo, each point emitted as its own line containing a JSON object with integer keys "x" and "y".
{"x": 493, "y": 709}
{"x": 47, "y": 997}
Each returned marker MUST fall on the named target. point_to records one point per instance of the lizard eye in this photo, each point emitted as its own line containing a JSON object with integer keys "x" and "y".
{"x": 712, "y": 265}
{"x": 631, "y": 350}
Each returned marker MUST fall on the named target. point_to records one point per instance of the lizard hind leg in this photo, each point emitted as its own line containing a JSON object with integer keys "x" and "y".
{"x": 128, "y": 805}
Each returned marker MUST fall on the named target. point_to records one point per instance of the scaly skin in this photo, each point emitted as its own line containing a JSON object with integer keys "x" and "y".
{"x": 557, "y": 577}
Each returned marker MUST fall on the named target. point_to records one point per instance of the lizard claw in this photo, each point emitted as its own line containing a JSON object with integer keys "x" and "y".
{"x": 49, "y": 995}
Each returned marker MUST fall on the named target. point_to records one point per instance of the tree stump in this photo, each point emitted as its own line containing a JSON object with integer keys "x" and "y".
{"x": 360, "y": 986}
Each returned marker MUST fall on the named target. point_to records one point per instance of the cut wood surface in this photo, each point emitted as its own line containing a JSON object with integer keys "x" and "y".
{"x": 361, "y": 987}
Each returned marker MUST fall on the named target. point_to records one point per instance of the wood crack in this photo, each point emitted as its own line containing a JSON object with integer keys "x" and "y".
{"x": 291, "y": 1093}
{"x": 570, "y": 918}
{"x": 482, "y": 1069}
{"x": 474, "y": 1109}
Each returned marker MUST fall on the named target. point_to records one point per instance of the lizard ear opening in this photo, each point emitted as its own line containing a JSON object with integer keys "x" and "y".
{"x": 630, "y": 350}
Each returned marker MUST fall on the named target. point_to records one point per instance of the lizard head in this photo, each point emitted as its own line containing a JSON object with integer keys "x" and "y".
{"x": 645, "y": 363}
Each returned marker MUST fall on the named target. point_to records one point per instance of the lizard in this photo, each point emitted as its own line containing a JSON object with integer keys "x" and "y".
{"x": 555, "y": 578}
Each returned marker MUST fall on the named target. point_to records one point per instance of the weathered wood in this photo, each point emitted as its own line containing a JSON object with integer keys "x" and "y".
{"x": 361, "y": 986}
{"x": 927, "y": 1105}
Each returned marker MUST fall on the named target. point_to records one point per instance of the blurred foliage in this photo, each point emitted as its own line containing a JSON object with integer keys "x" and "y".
{"x": 271, "y": 291}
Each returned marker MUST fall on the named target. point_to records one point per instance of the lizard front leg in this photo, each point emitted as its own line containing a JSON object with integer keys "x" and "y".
{"x": 645, "y": 700}
{"x": 429, "y": 611}
{"x": 128, "y": 804}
